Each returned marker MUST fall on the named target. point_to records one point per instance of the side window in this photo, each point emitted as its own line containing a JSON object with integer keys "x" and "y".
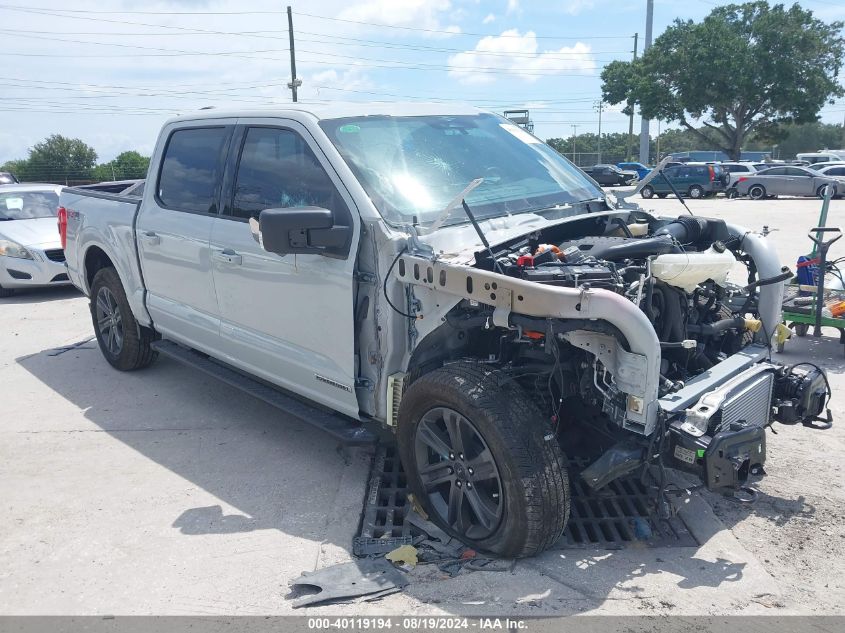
{"x": 277, "y": 169}
{"x": 192, "y": 168}
{"x": 836, "y": 171}
{"x": 776, "y": 171}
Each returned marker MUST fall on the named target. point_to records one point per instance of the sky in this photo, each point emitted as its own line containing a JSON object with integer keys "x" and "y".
{"x": 112, "y": 71}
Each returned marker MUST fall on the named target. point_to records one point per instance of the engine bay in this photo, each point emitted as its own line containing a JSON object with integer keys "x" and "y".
{"x": 676, "y": 272}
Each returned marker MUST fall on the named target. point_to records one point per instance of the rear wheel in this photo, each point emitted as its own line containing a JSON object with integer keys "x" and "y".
{"x": 647, "y": 191}
{"x": 696, "y": 191}
{"x": 757, "y": 192}
{"x": 482, "y": 462}
{"x": 124, "y": 343}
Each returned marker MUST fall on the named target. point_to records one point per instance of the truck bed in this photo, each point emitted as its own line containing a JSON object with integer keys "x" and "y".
{"x": 100, "y": 222}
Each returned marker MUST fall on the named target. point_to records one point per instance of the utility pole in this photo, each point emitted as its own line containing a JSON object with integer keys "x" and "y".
{"x": 574, "y": 136}
{"x": 599, "y": 105}
{"x": 294, "y": 83}
{"x": 644, "y": 126}
{"x": 657, "y": 155}
{"x": 631, "y": 117}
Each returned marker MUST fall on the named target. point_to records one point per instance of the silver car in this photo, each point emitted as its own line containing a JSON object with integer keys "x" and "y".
{"x": 785, "y": 180}
{"x": 30, "y": 248}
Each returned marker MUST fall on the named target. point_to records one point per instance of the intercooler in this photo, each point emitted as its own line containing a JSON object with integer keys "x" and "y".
{"x": 746, "y": 396}
{"x": 749, "y": 402}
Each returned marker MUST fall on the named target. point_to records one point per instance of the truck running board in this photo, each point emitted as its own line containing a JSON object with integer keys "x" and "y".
{"x": 347, "y": 431}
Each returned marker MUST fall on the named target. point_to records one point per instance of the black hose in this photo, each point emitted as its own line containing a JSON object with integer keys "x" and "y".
{"x": 717, "y": 327}
{"x": 384, "y": 287}
{"x": 784, "y": 275}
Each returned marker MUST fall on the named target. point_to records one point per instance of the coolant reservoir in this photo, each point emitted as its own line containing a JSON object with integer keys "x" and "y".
{"x": 688, "y": 270}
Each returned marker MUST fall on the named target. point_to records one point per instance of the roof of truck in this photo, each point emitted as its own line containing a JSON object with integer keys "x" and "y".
{"x": 336, "y": 110}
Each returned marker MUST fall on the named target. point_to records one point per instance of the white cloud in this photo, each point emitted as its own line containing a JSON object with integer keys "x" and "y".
{"x": 518, "y": 55}
{"x": 574, "y": 7}
{"x": 513, "y": 7}
{"x": 488, "y": 19}
{"x": 423, "y": 14}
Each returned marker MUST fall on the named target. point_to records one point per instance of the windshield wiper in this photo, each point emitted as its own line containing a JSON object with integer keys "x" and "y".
{"x": 481, "y": 235}
{"x": 453, "y": 204}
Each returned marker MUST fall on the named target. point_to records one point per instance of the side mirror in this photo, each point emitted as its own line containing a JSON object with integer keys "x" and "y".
{"x": 305, "y": 230}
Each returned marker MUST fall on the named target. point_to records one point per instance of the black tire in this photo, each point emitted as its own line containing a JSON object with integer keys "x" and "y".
{"x": 820, "y": 191}
{"x": 731, "y": 194}
{"x": 662, "y": 195}
{"x": 696, "y": 192}
{"x": 647, "y": 192}
{"x": 129, "y": 348}
{"x": 6, "y": 292}
{"x": 529, "y": 493}
{"x": 757, "y": 192}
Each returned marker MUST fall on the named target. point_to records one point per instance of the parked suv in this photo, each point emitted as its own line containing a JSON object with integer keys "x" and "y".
{"x": 695, "y": 180}
{"x": 610, "y": 175}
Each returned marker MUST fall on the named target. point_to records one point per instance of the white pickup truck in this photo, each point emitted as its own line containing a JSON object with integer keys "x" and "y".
{"x": 441, "y": 273}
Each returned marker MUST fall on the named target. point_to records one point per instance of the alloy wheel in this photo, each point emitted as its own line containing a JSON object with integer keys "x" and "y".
{"x": 458, "y": 473}
{"x": 109, "y": 321}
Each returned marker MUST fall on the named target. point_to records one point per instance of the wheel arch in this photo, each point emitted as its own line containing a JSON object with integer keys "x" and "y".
{"x": 97, "y": 256}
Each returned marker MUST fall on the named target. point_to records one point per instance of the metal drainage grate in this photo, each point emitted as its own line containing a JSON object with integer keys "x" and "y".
{"x": 620, "y": 515}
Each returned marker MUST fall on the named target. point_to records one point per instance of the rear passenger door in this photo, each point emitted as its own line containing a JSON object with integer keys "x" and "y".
{"x": 174, "y": 228}
{"x": 287, "y": 319}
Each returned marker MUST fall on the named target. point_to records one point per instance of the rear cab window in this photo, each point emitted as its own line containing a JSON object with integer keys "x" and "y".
{"x": 191, "y": 169}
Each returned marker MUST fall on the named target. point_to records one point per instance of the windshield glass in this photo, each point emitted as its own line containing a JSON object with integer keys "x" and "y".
{"x": 412, "y": 167}
{"x": 25, "y": 205}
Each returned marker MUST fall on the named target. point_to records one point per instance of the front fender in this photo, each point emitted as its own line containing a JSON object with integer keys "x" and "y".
{"x": 508, "y": 294}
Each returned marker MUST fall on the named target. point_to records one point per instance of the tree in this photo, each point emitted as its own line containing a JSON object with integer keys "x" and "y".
{"x": 808, "y": 137}
{"x": 57, "y": 159}
{"x": 744, "y": 69}
{"x": 613, "y": 147}
{"x": 127, "y": 165}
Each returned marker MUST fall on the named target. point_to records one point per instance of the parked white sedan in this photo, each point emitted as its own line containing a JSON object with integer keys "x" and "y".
{"x": 30, "y": 249}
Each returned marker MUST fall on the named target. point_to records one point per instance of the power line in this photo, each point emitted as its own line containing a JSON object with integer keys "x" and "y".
{"x": 69, "y": 14}
{"x": 462, "y": 33}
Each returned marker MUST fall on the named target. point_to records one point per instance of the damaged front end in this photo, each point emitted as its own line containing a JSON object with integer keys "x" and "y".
{"x": 626, "y": 328}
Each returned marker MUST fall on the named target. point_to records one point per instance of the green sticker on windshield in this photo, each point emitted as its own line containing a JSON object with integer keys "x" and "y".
{"x": 349, "y": 128}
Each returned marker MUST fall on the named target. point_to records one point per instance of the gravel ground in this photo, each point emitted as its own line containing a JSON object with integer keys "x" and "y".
{"x": 165, "y": 492}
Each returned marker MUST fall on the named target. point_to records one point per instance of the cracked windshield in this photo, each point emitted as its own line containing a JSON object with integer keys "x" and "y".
{"x": 412, "y": 167}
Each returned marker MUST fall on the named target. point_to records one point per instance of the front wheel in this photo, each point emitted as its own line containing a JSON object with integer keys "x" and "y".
{"x": 696, "y": 191}
{"x": 647, "y": 192}
{"x": 482, "y": 461}
{"x": 820, "y": 191}
{"x": 124, "y": 343}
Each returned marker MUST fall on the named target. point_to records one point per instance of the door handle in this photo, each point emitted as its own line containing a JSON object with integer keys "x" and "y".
{"x": 151, "y": 238}
{"x": 228, "y": 256}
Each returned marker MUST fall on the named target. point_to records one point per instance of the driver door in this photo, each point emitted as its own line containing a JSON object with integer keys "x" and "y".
{"x": 285, "y": 318}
